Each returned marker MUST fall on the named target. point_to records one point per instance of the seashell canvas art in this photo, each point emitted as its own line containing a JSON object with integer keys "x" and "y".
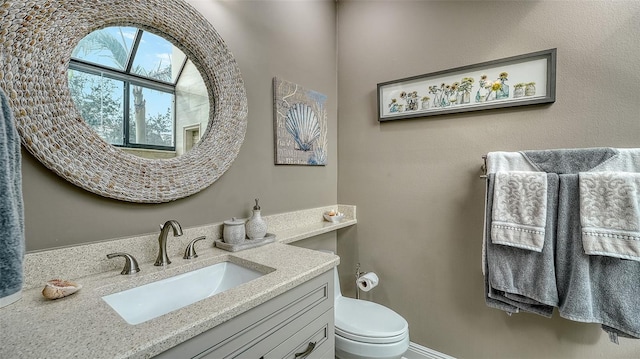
{"x": 300, "y": 125}
{"x": 58, "y": 288}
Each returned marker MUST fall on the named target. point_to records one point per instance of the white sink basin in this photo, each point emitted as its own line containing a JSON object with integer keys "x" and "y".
{"x": 137, "y": 305}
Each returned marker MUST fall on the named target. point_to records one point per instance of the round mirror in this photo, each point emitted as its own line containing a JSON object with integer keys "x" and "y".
{"x": 138, "y": 92}
{"x": 33, "y": 72}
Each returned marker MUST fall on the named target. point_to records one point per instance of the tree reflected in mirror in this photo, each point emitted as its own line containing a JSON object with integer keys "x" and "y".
{"x": 125, "y": 83}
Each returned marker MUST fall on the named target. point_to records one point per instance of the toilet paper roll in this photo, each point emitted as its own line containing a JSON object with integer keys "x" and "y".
{"x": 367, "y": 281}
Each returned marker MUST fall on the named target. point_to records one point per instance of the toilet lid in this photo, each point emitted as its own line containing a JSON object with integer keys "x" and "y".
{"x": 368, "y": 322}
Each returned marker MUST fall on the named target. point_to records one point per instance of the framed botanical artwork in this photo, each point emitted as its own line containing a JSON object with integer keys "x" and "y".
{"x": 300, "y": 125}
{"x": 521, "y": 80}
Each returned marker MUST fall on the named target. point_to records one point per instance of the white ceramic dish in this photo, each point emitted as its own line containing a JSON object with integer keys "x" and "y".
{"x": 335, "y": 218}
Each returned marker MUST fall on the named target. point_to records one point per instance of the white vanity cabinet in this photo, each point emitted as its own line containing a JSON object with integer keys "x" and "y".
{"x": 297, "y": 324}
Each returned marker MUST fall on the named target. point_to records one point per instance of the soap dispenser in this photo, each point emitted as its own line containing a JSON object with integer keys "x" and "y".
{"x": 256, "y": 227}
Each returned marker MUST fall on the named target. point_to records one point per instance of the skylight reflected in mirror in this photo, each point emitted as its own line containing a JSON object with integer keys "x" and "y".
{"x": 154, "y": 58}
{"x": 138, "y": 92}
{"x": 109, "y": 47}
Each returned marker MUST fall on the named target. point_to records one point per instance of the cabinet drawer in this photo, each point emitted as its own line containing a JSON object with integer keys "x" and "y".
{"x": 236, "y": 337}
{"x": 316, "y": 338}
{"x": 285, "y": 334}
{"x": 300, "y": 309}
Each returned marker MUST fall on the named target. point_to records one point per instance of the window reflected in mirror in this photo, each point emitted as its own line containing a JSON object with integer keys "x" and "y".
{"x": 138, "y": 91}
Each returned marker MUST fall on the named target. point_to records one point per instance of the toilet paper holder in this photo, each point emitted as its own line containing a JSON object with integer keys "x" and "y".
{"x": 358, "y": 275}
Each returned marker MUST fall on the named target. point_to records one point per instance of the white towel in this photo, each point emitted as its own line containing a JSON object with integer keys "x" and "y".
{"x": 500, "y": 161}
{"x": 610, "y": 214}
{"x": 519, "y": 211}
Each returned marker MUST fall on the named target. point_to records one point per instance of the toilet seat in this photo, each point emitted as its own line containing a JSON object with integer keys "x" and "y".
{"x": 368, "y": 322}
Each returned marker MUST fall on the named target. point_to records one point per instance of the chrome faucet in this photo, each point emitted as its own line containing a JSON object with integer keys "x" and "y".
{"x": 163, "y": 258}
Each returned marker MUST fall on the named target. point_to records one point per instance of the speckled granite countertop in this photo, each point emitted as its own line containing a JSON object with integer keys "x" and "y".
{"x": 84, "y": 326}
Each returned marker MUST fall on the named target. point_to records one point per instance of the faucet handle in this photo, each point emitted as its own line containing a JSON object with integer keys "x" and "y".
{"x": 130, "y": 263}
{"x": 190, "y": 252}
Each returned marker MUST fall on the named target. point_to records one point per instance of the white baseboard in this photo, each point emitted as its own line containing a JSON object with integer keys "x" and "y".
{"x": 417, "y": 351}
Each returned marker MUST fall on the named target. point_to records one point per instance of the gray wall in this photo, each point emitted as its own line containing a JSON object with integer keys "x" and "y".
{"x": 415, "y": 182}
{"x": 292, "y": 40}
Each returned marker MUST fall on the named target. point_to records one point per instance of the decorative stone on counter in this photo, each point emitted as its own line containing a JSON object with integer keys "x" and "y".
{"x": 58, "y": 288}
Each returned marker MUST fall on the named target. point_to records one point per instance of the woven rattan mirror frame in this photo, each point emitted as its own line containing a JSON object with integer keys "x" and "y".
{"x": 37, "y": 38}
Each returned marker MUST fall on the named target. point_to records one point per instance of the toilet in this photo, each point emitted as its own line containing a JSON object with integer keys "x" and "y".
{"x": 367, "y": 330}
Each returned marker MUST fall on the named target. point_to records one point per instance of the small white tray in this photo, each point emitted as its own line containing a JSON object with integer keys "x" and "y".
{"x": 248, "y": 243}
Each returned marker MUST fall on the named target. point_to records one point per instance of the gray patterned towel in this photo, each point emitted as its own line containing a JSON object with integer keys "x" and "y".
{"x": 519, "y": 209}
{"x": 521, "y": 280}
{"x": 610, "y": 214}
